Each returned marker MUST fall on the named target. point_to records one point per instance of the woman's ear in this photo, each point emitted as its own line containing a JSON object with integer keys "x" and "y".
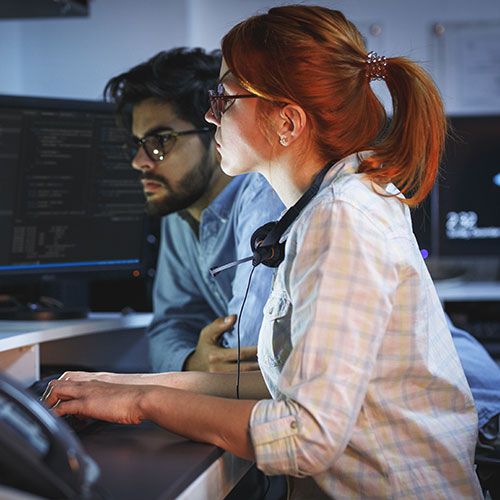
{"x": 291, "y": 124}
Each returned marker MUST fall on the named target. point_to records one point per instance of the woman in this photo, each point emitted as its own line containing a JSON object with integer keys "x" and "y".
{"x": 368, "y": 398}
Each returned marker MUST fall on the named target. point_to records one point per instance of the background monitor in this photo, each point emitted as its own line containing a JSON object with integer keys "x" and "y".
{"x": 70, "y": 203}
{"x": 469, "y": 191}
{"x": 460, "y": 220}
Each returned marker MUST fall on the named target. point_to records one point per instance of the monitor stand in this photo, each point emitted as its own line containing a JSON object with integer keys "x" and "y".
{"x": 43, "y": 309}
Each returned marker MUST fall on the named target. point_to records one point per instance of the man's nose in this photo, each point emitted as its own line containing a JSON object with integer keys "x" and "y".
{"x": 141, "y": 161}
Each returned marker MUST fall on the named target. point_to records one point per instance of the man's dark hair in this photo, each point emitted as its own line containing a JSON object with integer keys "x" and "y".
{"x": 181, "y": 77}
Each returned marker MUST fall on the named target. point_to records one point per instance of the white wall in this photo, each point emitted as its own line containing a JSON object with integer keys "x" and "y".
{"x": 75, "y": 57}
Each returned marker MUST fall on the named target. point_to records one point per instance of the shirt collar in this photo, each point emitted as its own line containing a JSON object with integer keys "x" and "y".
{"x": 221, "y": 205}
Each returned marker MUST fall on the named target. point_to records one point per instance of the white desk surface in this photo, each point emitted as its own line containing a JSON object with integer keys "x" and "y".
{"x": 14, "y": 334}
{"x": 25, "y": 344}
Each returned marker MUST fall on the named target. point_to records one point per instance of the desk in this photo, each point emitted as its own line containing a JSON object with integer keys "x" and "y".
{"x": 108, "y": 340}
{"x": 147, "y": 462}
{"x": 143, "y": 461}
{"x": 459, "y": 290}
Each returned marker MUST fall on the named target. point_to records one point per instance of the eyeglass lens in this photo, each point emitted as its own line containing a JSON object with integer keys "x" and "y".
{"x": 217, "y": 101}
{"x": 155, "y": 146}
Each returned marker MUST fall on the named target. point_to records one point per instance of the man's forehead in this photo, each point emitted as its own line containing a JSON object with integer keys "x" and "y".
{"x": 152, "y": 114}
{"x": 152, "y": 107}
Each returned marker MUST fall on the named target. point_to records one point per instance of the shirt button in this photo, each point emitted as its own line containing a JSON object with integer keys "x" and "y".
{"x": 293, "y": 424}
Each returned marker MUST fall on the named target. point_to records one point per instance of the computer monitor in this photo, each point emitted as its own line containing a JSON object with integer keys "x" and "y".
{"x": 469, "y": 191}
{"x": 461, "y": 217}
{"x": 70, "y": 203}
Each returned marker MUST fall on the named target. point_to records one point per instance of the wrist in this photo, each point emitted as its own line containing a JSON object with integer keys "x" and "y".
{"x": 190, "y": 364}
{"x": 146, "y": 401}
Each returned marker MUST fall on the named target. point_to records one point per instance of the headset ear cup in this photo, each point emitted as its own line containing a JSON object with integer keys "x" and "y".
{"x": 277, "y": 255}
{"x": 271, "y": 255}
{"x": 260, "y": 234}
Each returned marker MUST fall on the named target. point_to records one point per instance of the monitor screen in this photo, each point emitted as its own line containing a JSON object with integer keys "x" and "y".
{"x": 69, "y": 200}
{"x": 461, "y": 216}
{"x": 469, "y": 190}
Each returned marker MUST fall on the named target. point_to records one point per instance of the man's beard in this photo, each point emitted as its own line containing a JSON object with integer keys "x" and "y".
{"x": 188, "y": 190}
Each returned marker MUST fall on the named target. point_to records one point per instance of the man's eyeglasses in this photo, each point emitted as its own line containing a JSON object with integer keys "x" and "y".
{"x": 220, "y": 103}
{"x": 160, "y": 143}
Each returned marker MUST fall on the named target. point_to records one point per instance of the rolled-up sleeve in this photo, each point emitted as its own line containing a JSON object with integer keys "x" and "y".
{"x": 274, "y": 430}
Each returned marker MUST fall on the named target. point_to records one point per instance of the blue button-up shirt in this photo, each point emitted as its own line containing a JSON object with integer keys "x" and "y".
{"x": 186, "y": 296}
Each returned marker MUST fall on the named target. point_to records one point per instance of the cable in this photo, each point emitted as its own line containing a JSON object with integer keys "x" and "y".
{"x": 238, "y": 335}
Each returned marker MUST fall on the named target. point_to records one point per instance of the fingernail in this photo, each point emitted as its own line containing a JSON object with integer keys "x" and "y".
{"x": 228, "y": 319}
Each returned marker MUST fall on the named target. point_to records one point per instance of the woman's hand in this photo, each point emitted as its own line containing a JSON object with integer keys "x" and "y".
{"x": 220, "y": 421}
{"x": 112, "y": 402}
{"x": 116, "y": 378}
{"x": 112, "y": 378}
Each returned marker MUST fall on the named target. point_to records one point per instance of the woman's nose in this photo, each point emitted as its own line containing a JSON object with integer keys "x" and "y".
{"x": 209, "y": 117}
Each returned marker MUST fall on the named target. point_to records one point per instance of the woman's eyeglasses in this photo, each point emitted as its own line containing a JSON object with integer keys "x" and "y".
{"x": 159, "y": 144}
{"x": 220, "y": 103}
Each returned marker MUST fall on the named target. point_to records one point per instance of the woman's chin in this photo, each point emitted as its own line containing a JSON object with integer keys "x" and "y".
{"x": 230, "y": 168}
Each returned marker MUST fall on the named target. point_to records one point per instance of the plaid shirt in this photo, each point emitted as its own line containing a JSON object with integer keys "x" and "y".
{"x": 369, "y": 397}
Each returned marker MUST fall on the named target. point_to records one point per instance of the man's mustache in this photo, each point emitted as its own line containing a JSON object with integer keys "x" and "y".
{"x": 154, "y": 177}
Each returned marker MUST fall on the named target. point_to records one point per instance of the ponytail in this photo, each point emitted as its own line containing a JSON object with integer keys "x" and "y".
{"x": 409, "y": 153}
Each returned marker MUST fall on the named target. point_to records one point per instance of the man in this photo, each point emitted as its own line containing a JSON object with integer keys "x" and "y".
{"x": 208, "y": 217}
{"x": 208, "y": 220}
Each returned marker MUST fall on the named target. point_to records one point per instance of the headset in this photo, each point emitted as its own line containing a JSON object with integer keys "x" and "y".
{"x": 265, "y": 241}
{"x": 268, "y": 250}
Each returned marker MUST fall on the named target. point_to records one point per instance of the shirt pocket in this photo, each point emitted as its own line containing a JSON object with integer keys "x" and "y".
{"x": 277, "y": 320}
{"x": 277, "y": 306}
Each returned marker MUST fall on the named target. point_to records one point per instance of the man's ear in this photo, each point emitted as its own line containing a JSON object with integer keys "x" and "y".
{"x": 291, "y": 124}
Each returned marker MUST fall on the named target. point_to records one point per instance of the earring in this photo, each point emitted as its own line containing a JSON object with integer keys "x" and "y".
{"x": 283, "y": 140}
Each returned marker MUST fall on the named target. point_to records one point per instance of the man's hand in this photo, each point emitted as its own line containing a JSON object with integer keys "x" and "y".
{"x": 209, "y": 356}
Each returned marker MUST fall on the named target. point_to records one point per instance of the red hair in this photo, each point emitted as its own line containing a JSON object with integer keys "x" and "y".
{"x": 316, "y": 58}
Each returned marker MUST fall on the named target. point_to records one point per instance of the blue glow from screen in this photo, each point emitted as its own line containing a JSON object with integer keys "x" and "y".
{"x": 71, "y": 264}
